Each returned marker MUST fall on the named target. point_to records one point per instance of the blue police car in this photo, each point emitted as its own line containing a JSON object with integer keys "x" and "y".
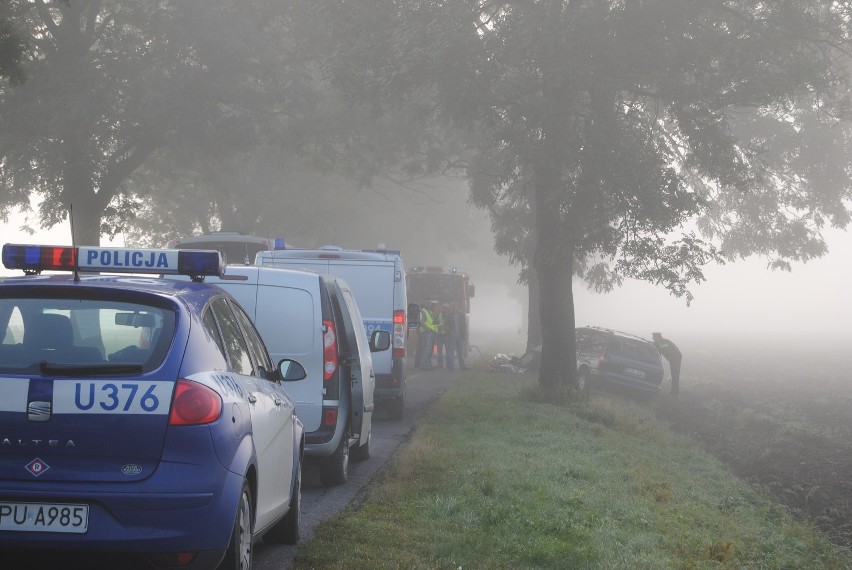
{"x": 139, "y": 414}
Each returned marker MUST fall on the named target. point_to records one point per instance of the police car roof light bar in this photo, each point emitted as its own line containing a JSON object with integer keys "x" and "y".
{"x": 34, "y": 259}
{"x": 198, "y": 263}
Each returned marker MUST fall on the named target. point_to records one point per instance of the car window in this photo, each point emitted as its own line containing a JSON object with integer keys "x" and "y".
{"x": 232, "y": 338}
{"x": 14, "y": 327}
{"x": 213, "y": 330}
{"x": 634, "y": 349}
{"x": 591, "y": 341}
{"x": 82, "y": 331}
{"x": 256, "y": 347}
{"x": 355, "y": 316}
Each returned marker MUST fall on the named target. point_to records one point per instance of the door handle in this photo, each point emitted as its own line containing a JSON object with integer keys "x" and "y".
{"x": 252, "y": 399}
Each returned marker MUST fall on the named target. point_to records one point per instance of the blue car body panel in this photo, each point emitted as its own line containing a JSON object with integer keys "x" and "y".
{"x": 107, "y": 443}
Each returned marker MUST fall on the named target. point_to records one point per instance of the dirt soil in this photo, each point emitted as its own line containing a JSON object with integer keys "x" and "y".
{"x": 782, "y": 422}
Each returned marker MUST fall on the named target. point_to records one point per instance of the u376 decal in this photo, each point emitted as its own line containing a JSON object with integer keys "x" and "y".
{"x": 112, "y": 397}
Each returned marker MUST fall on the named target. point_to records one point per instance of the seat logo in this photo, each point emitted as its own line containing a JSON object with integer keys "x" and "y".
{"x": 38, "y": 411}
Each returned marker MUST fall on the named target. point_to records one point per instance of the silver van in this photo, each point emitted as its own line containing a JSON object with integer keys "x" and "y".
{"x": 314, "y": 319}
{"x": 377, "y": 279}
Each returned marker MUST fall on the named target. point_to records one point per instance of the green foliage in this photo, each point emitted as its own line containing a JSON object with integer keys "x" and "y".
{"x": 605, "y": 128}
{"x": 111, "y": 83}
{"x": 12, "y": 45}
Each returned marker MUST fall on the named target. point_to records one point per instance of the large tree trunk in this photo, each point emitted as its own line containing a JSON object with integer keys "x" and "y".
{"x": 533, "y": 315}
{"x": 554, "y": 259}
{"x": 78, "y": 194}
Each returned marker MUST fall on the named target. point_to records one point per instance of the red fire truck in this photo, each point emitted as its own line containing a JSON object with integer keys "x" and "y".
{"x": 433, "y": 283}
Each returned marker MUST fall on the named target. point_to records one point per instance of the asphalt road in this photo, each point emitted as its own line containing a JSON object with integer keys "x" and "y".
{"x": 320, "y": 503}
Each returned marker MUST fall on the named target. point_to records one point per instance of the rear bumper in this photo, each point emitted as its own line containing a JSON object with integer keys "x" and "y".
{"x": 184, "y": 506}
{"x": 390, "y": 386}
{"x": 633, "y": 383}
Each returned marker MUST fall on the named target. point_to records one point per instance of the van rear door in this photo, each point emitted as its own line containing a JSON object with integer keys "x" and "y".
{"x": 362, "y": 379}
{"x": 374, "y": 283}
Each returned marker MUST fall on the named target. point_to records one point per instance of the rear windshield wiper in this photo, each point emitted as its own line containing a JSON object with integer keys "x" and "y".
{"x": 58, "y": 369}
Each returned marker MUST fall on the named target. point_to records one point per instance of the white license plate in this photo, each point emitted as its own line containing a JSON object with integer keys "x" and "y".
{"x": 44, "y": 517}
{"x": 635, "y": 372}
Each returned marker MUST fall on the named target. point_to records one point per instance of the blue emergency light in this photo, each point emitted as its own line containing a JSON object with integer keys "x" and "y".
{"x": 37, "y": 258}
{"x": 34, "y": 259}
{"x": 200, "y": 262}
{"x": 279, "y": 243}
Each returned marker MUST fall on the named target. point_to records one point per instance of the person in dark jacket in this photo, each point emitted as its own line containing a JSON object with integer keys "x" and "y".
{"x": 456, "y": 333}
{"x": 671, "y": 352}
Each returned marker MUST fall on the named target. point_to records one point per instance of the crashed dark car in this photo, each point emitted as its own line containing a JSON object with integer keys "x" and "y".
{"x": 608, "y": 357}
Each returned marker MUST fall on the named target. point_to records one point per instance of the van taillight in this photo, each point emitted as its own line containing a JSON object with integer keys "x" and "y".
{"x": 329, "y": 416}
{"x": 329, "y": 352}
{"x": 194, "y": 404}
{"x": 398, "y": 334}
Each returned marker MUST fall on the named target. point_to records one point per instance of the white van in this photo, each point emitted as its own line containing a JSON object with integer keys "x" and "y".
{"x": 314, "y": 318}
{"x": 377, "y": 279}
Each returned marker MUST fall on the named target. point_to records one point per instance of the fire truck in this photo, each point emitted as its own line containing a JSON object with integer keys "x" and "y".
{"x": 433, "y": 283}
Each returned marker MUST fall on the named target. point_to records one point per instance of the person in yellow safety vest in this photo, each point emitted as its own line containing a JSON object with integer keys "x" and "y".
{"x": 428, "y": 329}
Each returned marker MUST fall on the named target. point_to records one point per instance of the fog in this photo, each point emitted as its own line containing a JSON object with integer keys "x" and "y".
{"x": 742, "y": 301}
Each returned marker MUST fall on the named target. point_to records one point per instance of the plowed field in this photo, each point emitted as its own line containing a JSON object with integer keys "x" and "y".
{"x": 780, "y": 415}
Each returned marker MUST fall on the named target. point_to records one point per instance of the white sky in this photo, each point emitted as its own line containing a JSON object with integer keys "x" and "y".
{"x": 741, "y": 299}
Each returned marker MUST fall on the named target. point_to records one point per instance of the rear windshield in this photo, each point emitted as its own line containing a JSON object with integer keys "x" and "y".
{"x": 238, "y": 251}
{"x": 75, "y": 332}
{"x": 634, "y": 349}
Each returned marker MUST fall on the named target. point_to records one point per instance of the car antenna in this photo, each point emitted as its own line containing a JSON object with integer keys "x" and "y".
{"x": 73, "y": 243}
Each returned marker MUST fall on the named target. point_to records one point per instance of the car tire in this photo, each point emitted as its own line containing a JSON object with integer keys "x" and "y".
{"x": 362, "y": 452}
{"x": 334, "y": 470}
{"x": 286, "y": 531}
{"x": 240, "y": 549}
{"x": 396, "y": 407}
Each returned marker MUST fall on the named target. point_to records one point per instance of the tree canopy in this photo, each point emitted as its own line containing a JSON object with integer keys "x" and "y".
{"x": 629, "y": 138}
{"x": 110, "y": 83}
{"x": 12, "y": 45}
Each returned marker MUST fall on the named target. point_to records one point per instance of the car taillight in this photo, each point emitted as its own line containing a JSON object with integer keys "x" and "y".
{"x": 329, "y": 352}
{"x": 194, "y": 404}
{"x": 398, "y": 334}
{"x": 329, "y": 416}
{"x": 601, "y": 362}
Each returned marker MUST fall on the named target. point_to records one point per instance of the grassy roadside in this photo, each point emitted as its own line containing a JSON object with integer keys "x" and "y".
{"x": 495, "y": 479}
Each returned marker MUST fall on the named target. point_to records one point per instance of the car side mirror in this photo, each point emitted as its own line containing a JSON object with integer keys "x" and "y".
{"x": 413, "y": 315}
{"x": 379, "y": 341}
{"x": 291, "y": 371}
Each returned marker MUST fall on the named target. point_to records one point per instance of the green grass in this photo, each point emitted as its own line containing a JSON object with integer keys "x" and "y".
{"x": 495, "y": 477}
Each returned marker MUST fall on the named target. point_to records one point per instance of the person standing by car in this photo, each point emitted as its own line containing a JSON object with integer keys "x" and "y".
{"x": 426, "y": 342}
{"x": 670, "y": 350}
{"x": 455, "y": 327}
{"x": 441, "y": 336}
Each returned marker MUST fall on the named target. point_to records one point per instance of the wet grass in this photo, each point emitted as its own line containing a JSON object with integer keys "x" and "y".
{"x": 498, "y": 477}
